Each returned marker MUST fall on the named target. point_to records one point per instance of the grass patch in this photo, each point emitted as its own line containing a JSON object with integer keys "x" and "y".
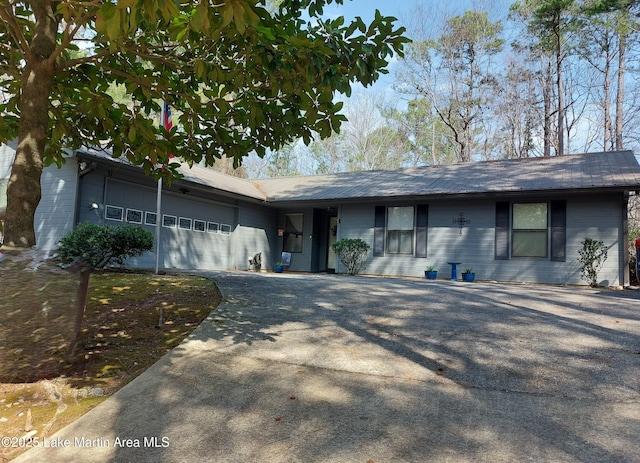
{"x": 132, "y": 319}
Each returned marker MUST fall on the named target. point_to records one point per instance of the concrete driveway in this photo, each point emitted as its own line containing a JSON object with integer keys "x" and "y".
{"x": 331, "y": 368}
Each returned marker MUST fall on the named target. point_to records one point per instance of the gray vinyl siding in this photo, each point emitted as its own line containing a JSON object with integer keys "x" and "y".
{"x": 7, "y": 153}
{"x": 91, "y": 190}
{"x": 473, "y": 245}
{"x": 446, "y": 242}
{"x": 252, "y": 228}
{"x": 358, "y": 222}
{"x": 179, "y": 248}
{"x": 256, "y": 232}
{"x": 55, "y": 215}
{"x": 191, "y": 249}
{"x": 597, "y": 218}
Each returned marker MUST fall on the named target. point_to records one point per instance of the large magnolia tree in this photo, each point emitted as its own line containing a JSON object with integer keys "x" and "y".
{"x": 243, "y": 78}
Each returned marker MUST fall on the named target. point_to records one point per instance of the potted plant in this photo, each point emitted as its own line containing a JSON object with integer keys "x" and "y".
{"x": 431, "y": 272}
{"x": 468, "y": 275}
{"x": 278, "y": 267}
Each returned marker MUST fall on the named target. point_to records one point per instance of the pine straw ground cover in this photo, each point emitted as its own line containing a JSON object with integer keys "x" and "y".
{"x": 131, "y": 321}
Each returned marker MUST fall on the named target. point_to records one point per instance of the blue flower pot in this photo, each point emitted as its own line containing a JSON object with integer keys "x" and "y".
{"x": 431, "y": 274}
{"x": 468, "y": 277}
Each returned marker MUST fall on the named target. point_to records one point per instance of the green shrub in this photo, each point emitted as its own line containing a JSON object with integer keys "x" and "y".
{"x": 352, "y": 253}
{"x": 92, "y": 247}
{"x": 592, "y": 257}
{"x": 97, "y": 246}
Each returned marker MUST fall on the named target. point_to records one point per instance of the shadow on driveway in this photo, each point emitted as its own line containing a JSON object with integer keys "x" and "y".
{"x": 324, "y": 368}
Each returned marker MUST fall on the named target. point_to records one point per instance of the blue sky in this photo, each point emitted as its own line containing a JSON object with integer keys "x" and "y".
{"x": 404, "y": 10}
{"x": 366, "y": 8}
{"x": 401, "y": 9}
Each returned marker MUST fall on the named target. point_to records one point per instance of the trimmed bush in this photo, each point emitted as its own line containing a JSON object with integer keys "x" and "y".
{"x": 92, "y": 247}
{"x": 96, "y": 246}
{"x": 352, "y": 253}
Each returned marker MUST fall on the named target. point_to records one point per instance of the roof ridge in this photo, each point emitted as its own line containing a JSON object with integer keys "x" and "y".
{"x": 610, "y": 170}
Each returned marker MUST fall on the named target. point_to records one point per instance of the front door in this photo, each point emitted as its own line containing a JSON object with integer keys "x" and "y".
{"x": 332, "y": 234}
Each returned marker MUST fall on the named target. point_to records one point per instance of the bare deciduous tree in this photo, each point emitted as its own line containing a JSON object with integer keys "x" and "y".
{"x": 455, "y": 74}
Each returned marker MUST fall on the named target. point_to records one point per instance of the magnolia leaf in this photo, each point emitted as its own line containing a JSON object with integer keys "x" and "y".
{"x": 132, "y": 134}
{"x": 227, "y": 14}
{"x": 239, "y": 17}
{"x": 199, "y": 68}
{"x": 199, "y": 20}
{"x": 252, "y": 18}
{"x": 113, "y": 24}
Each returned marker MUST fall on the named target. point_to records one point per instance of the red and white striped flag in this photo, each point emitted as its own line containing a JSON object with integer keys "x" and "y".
{"x": 166, "y": 116}
{"x": 166, "y": 119}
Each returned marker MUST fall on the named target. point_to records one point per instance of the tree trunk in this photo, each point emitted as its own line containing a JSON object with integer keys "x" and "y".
{"x": 23, "y": 190}
{"x": 560, "y": 90}
{"x": 622, "y": 44}
{"x": 607, "y": 98}
{"x": 546, "y": 95}
{"x": 83, "y": 291}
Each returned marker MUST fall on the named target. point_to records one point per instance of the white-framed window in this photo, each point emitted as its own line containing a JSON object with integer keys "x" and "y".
{"x": 533, "y": 230}
{"x": 400, "y": 229}
{"x": 199, "y": 225}
{"x": 529, "y": 230}
{"x": 134, "y": 216}
{"x": 113, "y": 213}
{"x": 150, "y": 218}
{"x": 225, "y": 229}
{"x": 184, "y": 223}
{"x": 293, "y": 228}
{"x": 169, "y": 221}
{"x": 213, "y": 227}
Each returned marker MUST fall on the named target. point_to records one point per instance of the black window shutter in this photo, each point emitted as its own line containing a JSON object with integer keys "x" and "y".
{"x": 378, "y": 231}
{"x": 422, "y": 227}
{"x": 559, "y": 231}
{"x": 502, "y": 230}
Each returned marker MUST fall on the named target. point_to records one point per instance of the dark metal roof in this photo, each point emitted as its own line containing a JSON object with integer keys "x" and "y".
{"x": 615, "y": 170}
{"x": 195, "y": 174}
{"x": 611, "y": 170}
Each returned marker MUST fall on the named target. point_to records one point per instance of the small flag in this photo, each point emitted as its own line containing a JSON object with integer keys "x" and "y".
{"x": 167, "y": 117}
{"x": 166, "y": 120}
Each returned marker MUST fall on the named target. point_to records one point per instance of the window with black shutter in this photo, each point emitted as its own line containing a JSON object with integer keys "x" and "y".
{"x": 400, "y": 230}
{"x": 558, "y": 230}
{"x": 400, "y": 223}
{"x": 378, "y": 231}
{"x": 531, "y": 229}
{"x": 422, "y": 227}
{"x": 529, "y": 233}
{"x": 502, "y": 230}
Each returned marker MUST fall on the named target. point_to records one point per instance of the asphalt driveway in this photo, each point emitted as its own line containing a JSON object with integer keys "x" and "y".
{"x": 331, "y": 368}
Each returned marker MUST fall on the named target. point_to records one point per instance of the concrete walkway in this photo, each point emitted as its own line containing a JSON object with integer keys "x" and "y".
{"x": 331, "y": 368}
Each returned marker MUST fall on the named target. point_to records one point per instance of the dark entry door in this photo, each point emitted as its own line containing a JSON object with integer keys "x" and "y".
{"x": 332, "y": 237}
